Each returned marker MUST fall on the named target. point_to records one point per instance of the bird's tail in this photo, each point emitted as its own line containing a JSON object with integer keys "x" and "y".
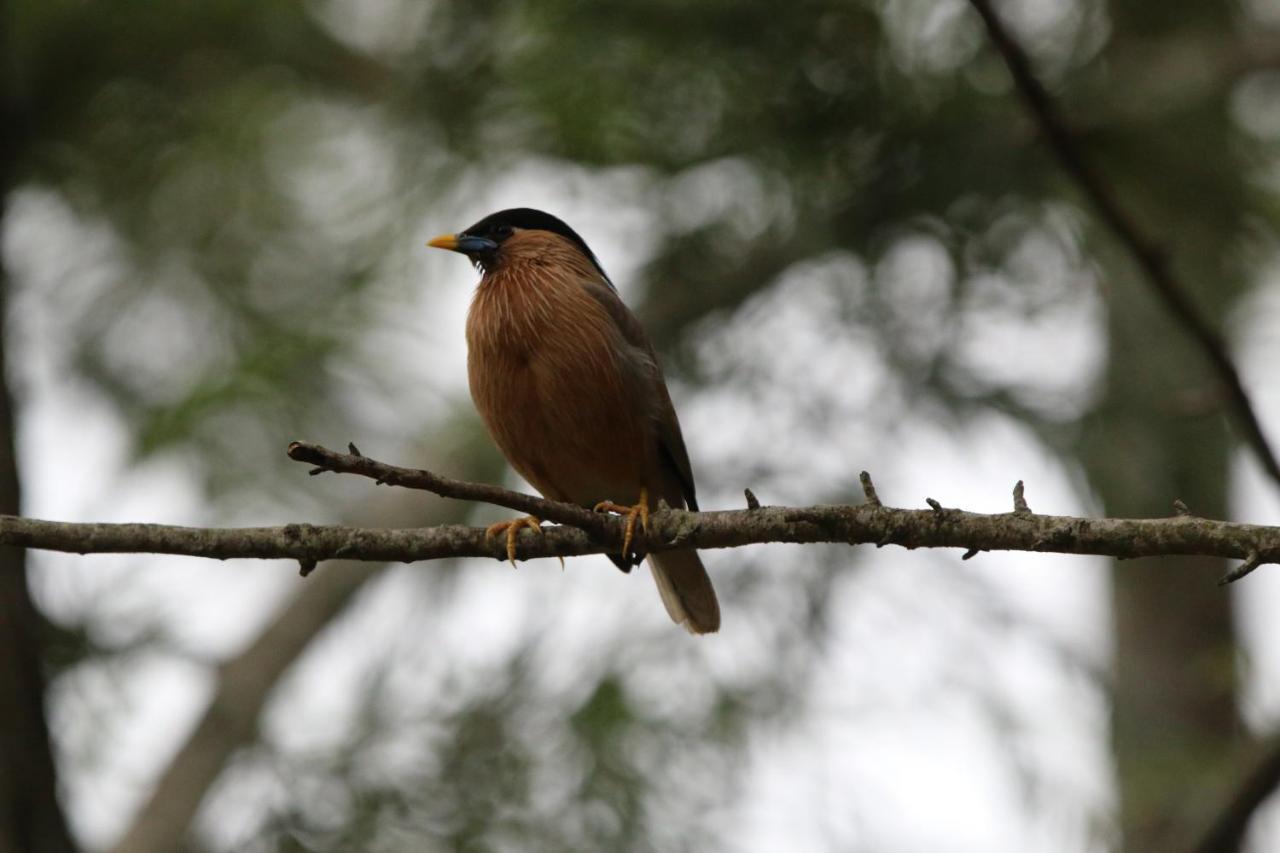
{"x": 686, "y": 590}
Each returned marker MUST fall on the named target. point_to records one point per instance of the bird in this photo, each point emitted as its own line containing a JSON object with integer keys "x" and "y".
{"x": 571, "y": 391}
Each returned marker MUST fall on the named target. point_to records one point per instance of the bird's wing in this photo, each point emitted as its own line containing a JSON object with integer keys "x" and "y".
{"x": 670, "y": 438}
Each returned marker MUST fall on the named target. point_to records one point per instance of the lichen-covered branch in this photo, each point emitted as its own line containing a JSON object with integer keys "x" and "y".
{"x": 936, "y": 527}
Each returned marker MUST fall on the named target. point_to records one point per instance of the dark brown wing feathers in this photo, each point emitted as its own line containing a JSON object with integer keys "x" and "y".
{"x": 673, "y": 453}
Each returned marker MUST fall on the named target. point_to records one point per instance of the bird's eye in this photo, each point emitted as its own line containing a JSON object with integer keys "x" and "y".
{"x": 501, "y": 232}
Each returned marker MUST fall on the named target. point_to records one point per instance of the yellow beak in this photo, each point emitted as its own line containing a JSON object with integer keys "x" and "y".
{"x": 444, "y": 241}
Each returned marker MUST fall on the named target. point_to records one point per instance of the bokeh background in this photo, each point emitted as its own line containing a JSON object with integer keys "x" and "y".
{"x": 853, "y": 251}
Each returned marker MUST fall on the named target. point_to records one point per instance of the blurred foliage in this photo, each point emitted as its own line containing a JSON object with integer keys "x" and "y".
{"x": 258, "y": 168}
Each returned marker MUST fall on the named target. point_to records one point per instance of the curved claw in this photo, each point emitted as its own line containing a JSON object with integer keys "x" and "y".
{"x": 512, "y": 529}
{"x": 640, "y": 510}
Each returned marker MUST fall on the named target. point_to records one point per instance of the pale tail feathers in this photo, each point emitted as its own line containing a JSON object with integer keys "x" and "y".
{"x": 686, "y": 590}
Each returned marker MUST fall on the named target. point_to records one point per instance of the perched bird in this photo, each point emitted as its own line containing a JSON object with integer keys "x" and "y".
{"x": 570, "y": 389}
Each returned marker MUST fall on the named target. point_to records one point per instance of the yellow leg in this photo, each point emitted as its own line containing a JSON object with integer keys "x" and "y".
{"x": 640, "y": 510}
{"x": 512, "y": 529}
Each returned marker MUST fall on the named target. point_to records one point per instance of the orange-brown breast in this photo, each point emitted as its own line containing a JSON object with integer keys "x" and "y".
{"x": 551, "y": 377}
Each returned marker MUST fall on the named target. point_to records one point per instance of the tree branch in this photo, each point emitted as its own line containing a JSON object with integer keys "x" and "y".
{"x": 936, "y": 527}
{"x": 230, "y": 721}
{"x": 246, "y": 681}
{"x": 1146, "y": 254}
{"x": 1227, "y": 834}
{"x": 356, "y": 462}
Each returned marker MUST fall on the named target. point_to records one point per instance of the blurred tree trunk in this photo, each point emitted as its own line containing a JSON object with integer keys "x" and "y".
{"x": 31, "y": 817}
{"x": 1162, "y": 430}
{"x": 1174, "y": 711}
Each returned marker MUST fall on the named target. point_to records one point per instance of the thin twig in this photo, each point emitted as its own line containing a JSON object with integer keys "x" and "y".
{"x": 869, "y": 490}
{"x": 415, "y": 478}
{"x": 1020, "y": 499}
{"x": 1251, "y": 562}
{"x": 1149, "y": 258}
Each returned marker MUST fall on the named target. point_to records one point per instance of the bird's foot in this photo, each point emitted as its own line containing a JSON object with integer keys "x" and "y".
{"x": 512, "y": 529}
{"x": 640, "y": 511}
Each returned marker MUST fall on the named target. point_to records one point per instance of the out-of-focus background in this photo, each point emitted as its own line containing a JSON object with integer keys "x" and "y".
{"x": 853, "y": 251}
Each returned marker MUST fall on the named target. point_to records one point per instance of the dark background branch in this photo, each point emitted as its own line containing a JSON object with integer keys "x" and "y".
{"x": 1149, "y": 257}
{"x": 1228, "y": 832}
{"x": 231, "y": 719}
{"x": 247, "y": 680}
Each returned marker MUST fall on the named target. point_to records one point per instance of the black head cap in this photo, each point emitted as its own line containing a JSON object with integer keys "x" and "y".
{"x": 498, "y": 226}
